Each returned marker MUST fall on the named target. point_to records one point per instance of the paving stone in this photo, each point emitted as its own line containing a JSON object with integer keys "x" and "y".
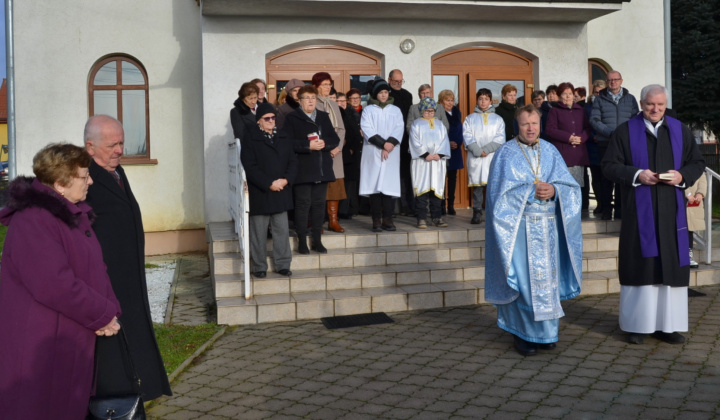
{"x": 445, "y": 363}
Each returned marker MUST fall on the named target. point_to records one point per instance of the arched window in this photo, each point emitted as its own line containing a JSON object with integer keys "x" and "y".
{"x": 597, "y": 70}
{"x": 118, "y": 87}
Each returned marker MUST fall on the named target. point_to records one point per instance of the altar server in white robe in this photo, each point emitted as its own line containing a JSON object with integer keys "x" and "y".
{"x": 430, "y": 149}
{"x": 483, "y": 133}
{"x": 383, "y": 128}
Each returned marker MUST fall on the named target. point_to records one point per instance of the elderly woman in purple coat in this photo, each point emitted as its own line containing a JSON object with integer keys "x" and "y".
{"x": 55, "y": 294}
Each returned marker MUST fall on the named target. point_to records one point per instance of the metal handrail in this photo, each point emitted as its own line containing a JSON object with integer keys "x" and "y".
{"x": 706, "y": 239}
{"x": 239, "y": 207}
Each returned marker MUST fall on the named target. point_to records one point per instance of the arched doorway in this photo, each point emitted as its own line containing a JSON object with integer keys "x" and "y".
{"x": 349, "y": 67}
{"x": 465, "y": 70}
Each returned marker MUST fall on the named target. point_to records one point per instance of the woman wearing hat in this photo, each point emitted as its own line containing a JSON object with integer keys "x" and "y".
{"x": 383, "y": 128}
{"x": 291, "y": 101}
{"x": 429, "y": 147}
{"x": 270, "y": 191}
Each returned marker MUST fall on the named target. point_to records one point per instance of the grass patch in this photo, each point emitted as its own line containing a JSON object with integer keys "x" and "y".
{"x": 148, "y": 265}
{"x": 178, "y": 342}
{"x": 3, "y": 231}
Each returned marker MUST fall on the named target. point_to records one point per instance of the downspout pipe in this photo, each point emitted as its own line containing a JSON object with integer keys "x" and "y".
{"x": 668, "y": 51}
{"x": 10, "y": 55}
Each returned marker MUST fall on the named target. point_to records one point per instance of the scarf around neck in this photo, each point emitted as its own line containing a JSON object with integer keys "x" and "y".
{"x": 643, "y": 193}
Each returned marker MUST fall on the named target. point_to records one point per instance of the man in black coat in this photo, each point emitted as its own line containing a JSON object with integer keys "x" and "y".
{"x": 403, "y": 100}
{"x": 120, "y": 231}
{"x": 653, "y": 157}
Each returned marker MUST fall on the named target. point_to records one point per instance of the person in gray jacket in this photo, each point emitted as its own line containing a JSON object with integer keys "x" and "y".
{"x": 425, "y": 91}
{"x": 612, "y": 107}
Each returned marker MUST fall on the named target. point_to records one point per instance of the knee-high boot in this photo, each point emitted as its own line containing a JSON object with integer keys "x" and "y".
{"x": 332, "y": 210}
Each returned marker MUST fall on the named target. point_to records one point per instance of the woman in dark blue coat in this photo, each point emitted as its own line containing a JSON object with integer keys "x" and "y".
{"x": 447, "y": 99}
{"x": 313, "y": 137}
{"x": 270, "y": 166}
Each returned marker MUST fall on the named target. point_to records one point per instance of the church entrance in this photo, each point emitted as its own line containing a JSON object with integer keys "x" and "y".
{"x": 349, "y": 67}
{"x": 466, "y": 70}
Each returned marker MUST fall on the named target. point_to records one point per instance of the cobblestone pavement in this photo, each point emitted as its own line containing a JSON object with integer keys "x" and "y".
{"x": 193, "y": 301}
{"x": 455, "y": 363}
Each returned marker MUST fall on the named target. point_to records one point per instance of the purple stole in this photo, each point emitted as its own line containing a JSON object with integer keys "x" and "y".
{"x": 643, "y": 196}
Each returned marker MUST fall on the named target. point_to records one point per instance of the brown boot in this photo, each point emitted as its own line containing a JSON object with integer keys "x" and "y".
{"x": 332, "y": 209}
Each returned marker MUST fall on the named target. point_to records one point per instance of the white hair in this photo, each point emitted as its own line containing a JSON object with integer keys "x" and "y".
{"x": 652, "y": 90}
{"x": 94, "y": 125}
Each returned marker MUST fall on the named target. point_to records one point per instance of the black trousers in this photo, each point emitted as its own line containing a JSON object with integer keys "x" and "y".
{"x": 381, "y": 205}
{"x": 421, "y": 204}
{"x": 452, "y": 183}
{"x": 309, "y": 200}
{"x": 606, "y": 188}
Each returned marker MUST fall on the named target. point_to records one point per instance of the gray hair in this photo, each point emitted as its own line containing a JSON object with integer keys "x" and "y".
{"x": 652, "y": 90}
{"x": 423, "y": 87}
{"x": 94, "y": 126}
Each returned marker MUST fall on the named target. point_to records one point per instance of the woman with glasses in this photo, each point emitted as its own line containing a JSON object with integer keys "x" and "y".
{"x": 313, "y": 137}
{"x": 55, "y": 293}
{"x": 336, "y": 189}
{"x": 270, "y": 191}
{"x": 430, "y": 149}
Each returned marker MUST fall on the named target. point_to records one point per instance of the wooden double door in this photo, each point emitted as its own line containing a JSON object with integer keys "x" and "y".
{"x": 466, "y": 70}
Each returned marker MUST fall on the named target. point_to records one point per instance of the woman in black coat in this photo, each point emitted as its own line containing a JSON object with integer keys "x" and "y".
{"x": 242, "y": 117}
{"x": 313, "y": 137}
{"x": 269, "y": 188}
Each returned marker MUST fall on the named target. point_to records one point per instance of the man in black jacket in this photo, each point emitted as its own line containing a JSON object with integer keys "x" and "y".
{"x": 612, "y": 107}
{"x": 403, "y": 100}
{"x": 120, "y": 232}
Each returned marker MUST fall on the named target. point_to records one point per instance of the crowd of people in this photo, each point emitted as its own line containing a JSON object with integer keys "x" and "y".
{"x": 529, "y": 167}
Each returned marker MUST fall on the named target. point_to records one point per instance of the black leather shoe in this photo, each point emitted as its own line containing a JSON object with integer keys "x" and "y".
{"x": 476, "y": 218}
{"x": 525, "y": 348}
{"x": 260, "y": 274}
{"x": 634, "y": 338}
{"x": 451, "y": 211}
{"x": 285, "y": 272}
{"x": 546, "y": 346}
{"x": 318, "y": 247}
{"x": 670, "y": 338}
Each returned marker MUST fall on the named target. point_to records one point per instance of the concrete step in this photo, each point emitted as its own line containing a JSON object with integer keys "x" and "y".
{"x": 294, "y": 306}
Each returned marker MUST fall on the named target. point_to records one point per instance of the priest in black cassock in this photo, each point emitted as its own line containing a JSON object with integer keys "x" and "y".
{"x": 653, "y": 157}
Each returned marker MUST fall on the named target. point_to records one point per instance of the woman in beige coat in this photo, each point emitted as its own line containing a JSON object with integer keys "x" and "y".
{"x": 336, "y": 189}
{"x": 696, "y": 211}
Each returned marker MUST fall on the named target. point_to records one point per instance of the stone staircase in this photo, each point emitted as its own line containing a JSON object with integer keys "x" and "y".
{"x": 392, "y": 271}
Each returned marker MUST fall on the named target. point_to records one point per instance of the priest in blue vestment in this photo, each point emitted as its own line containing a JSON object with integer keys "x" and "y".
{"x": 653, "y": 157}
{"x": 533, "y": 236}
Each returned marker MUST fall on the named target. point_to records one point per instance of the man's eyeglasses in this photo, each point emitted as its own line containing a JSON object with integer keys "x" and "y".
{"x": 613, "y": 80}
{"x": 268, "y": 119}
{"x": 397, "y": 82}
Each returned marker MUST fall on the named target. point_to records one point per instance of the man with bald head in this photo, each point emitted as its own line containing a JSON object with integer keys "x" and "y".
{"x": 653, "y": 157}
{"x": 120, "y": 232}
{"x": 611, "y": 107}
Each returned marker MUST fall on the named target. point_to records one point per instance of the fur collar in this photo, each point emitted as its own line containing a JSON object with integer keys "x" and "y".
{"x": 26, "y": 192}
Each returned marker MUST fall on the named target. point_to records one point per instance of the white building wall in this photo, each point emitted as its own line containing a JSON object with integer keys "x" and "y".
{"x": 632, "y": 42}
{"x": 234, "y": 51}
{"x": 56, "y": 44}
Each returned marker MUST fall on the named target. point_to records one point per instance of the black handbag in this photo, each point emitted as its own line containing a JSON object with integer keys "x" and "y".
{"x": 119, "y": 407}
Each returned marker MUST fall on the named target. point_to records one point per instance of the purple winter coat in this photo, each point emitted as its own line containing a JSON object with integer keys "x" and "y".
{"x": 54, "y": 294}
{"x": 562, "y": 122}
